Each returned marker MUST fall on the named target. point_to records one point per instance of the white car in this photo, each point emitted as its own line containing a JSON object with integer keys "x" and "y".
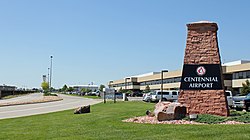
{"x": 167, "y": 95}
{"x": 147, "y": 97}
{"x": 96, "y": 93}
{"x": 229, "y": 98}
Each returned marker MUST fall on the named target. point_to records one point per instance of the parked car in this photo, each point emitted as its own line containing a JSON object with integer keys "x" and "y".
{"x": 137, "y": 94}
{"x": 242, "y": 102}
{"x": 147, "y": 97}
{"x": 167, "y": 95}
{"x": 93, "y": 93}
{"x": 81, "y": 93}
{"x": 96, "y": 93}
{"x": 229, "y": 95}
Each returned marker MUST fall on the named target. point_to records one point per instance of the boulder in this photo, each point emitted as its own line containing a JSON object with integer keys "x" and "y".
{"x": 169, "y": 111}
{"x": 84, "y": 109}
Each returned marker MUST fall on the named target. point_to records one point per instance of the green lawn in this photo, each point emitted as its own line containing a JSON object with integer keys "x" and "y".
{"x": 85, "y": 96}
{"x": 91, "y": 97}
{"x": 105, "y": 122}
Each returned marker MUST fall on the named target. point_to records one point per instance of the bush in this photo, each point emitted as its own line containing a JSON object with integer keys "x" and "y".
{"x": 210, "y": 119}
{"x": 213, "y": 119}
{"x": 240, "y": 116}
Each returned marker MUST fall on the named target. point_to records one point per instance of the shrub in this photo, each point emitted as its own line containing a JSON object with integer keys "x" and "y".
{"x": 210, "y": 119}
{"x": 213, "y": 119}
{"x": 240, "y": 116}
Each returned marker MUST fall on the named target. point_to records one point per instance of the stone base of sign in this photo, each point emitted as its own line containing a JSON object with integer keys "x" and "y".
{"x": 204, "y": 102}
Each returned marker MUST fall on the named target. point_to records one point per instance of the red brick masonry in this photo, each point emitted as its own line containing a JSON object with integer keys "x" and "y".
{"x": 202, "y": 48}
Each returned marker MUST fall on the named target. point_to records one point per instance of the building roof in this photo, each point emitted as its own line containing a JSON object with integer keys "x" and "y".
{"x": 84, "y": 85}
{"x": 238, "y": 62}
{"x": 146, "y": 74}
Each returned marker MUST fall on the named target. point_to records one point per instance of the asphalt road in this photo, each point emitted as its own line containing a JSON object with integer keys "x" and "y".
{"x": 68, "y": 102}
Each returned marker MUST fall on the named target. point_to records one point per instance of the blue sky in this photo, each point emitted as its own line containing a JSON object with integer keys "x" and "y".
{"x": 101, "y": 40}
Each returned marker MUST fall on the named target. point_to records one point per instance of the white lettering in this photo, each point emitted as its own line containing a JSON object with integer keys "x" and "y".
{"x": 201, "y": 85}
{"x": 186, "y": 79}
{"x": 201, "y": 79}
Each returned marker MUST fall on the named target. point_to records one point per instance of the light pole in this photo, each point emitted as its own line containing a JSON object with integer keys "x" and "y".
{"x": 162, "y": 83}
{"x": 48, "y": 76}
{"x": 50, "y": 83}
{"x": 124, "y": 94}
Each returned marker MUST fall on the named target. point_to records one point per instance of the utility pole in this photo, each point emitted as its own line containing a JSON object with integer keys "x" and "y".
{"x": 50, "y": 83}
{"x": 162, "y": 83}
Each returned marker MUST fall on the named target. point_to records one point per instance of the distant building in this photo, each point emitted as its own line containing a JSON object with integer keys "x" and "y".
{"x": 6, "y": 90}
{"x": 44, "y": 78}
{"x": 234, "y": 73}
{"x": 90, "y": 87}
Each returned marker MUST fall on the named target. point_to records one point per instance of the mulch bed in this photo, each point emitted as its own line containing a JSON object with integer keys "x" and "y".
{"x": 153, "y": 120}
{"x": 42, "y": 100}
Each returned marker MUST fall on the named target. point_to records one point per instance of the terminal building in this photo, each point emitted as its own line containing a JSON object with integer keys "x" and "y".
{"x": 234, "y": 73}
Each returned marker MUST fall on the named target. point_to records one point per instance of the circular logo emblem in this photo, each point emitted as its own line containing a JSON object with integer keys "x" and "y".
{"x": 201, "y": 71}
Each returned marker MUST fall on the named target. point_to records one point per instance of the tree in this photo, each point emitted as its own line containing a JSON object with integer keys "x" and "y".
{"x": 128, "y": 92}
{"x": 120, "y": 90}
{"x": 88, "y": 90}
{"x": 147, "y": 89}
{"x": 246, "y": 87}
{"x": 70, "y": 89}
{"x": 65, "y": 87}
{"x": 101, "y": 88}
{"x": 84, "y": 90}
{"x": 45, "y": 86}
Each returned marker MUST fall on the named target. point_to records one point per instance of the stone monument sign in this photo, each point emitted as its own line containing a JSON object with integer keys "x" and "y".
{"x": 202, "y": 86}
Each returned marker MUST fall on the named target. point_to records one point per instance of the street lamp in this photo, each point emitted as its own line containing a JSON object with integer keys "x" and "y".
{"x": 50, "y": 83}
{"x": 162, "y": 83}
{"x": 48, "y": 76}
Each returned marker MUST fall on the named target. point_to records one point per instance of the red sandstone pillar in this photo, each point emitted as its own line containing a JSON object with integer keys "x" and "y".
{"x": 202, "y": 84}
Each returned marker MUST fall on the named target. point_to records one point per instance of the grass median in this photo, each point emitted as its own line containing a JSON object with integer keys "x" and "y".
{"x": 85, "y": 96}
{"x": 105, "y": 122}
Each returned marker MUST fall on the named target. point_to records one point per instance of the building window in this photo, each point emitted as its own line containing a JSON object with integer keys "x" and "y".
{"x": 248, "y": 74}
{"x": 244, "y": 75}
{"x": 236, "y": 75}
{"x": 227, "y": 76}
{"x": 241, "y": 75}
{"x": 174, "y": 93}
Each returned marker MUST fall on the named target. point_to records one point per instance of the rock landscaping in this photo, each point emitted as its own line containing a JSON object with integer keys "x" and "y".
{"x": 153, "y": 120}
{"x": 175, "y": 113}
{"x": 81, "y": 110}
